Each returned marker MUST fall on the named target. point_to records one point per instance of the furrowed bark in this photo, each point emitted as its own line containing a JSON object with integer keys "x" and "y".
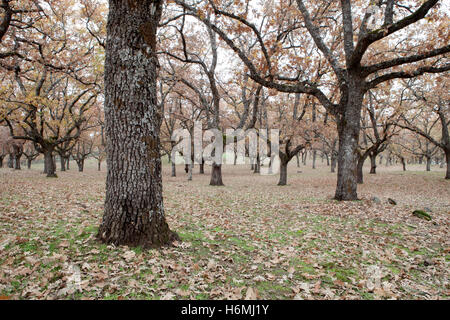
{"x": 134, "y": 211}
{"x": 348, "y": 130}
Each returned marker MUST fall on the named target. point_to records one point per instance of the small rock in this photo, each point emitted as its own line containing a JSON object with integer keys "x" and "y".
{"x": 427, "y": 262}
{"x": 376, "y": 200}
{"x": 392, "y": 201}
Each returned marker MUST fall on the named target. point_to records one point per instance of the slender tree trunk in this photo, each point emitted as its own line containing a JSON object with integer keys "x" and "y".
{"x": 11, "y": 161}
{"x": 447, "y": 157}
{"x": 216, "y": 175}
{"x": 49, "y": 164}
{"x": 428, "y": 163}
{"x": 298, "y": 160}
{"x": 359, "y": 169}
{"x": 403, "y": 163}
{"x": 314, "y": 159}
{"x": 99, "y": 165}
{"x": 283, "y": 173}
{"x": 17, "y": 161}
{"x": 257, "y": 167}
{"x": 373, "y": 164}
{"x": 29, "y": 160}
{"x": 80, "y": 164}
{"x": 186, "y": 168}
{"x": 202, "y": 167}
{"x": 190, "y": 169}
{"x": 174, "y": 170}
{"x": 381, "y": 159}
{"x": 68, "y": 163}
{"x": 328, "y": 159}
{"x": 304, "y": 157}
{"x": 348, "y": 130}
{"x": 1, "y": 161}
{"x": 62, "y": 160}
{"x": 134, "y": 211}
{"x": 333, "y": 162}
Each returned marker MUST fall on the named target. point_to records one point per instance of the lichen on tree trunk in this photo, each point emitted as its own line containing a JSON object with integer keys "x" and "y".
{"x": 348, "y": 130}
{"x": 134, "y": 212}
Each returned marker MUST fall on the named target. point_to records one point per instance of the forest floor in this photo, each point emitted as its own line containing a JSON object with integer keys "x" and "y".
{"x": 248, "y": 239}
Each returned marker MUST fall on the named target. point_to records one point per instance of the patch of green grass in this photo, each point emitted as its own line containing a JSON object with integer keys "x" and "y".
{"x": 31, "y": 245}
{"x": 241, "y": 243}
{"x": 202, "y": 296}
{"x": 191, "y": 236}
{"x": 302, "y": 266}
{"x": 272, "y": 290}
{"x": 344, "y": 274}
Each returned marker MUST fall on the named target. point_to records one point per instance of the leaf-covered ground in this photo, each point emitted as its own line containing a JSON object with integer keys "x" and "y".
{"x": 248, "y": 239}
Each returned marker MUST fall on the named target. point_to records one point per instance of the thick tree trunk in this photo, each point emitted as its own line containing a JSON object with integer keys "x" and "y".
{"x": 428, "y": 163}
{"x": 49, "y": 164}
{"x": 348, "y": 130}
{"x": 283, "y": 173}
{"x": 134, "y": 212}
{"x": 186, "y": 168}
{"x": 373, "y": 164}
{"x": 216, "y": 175}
